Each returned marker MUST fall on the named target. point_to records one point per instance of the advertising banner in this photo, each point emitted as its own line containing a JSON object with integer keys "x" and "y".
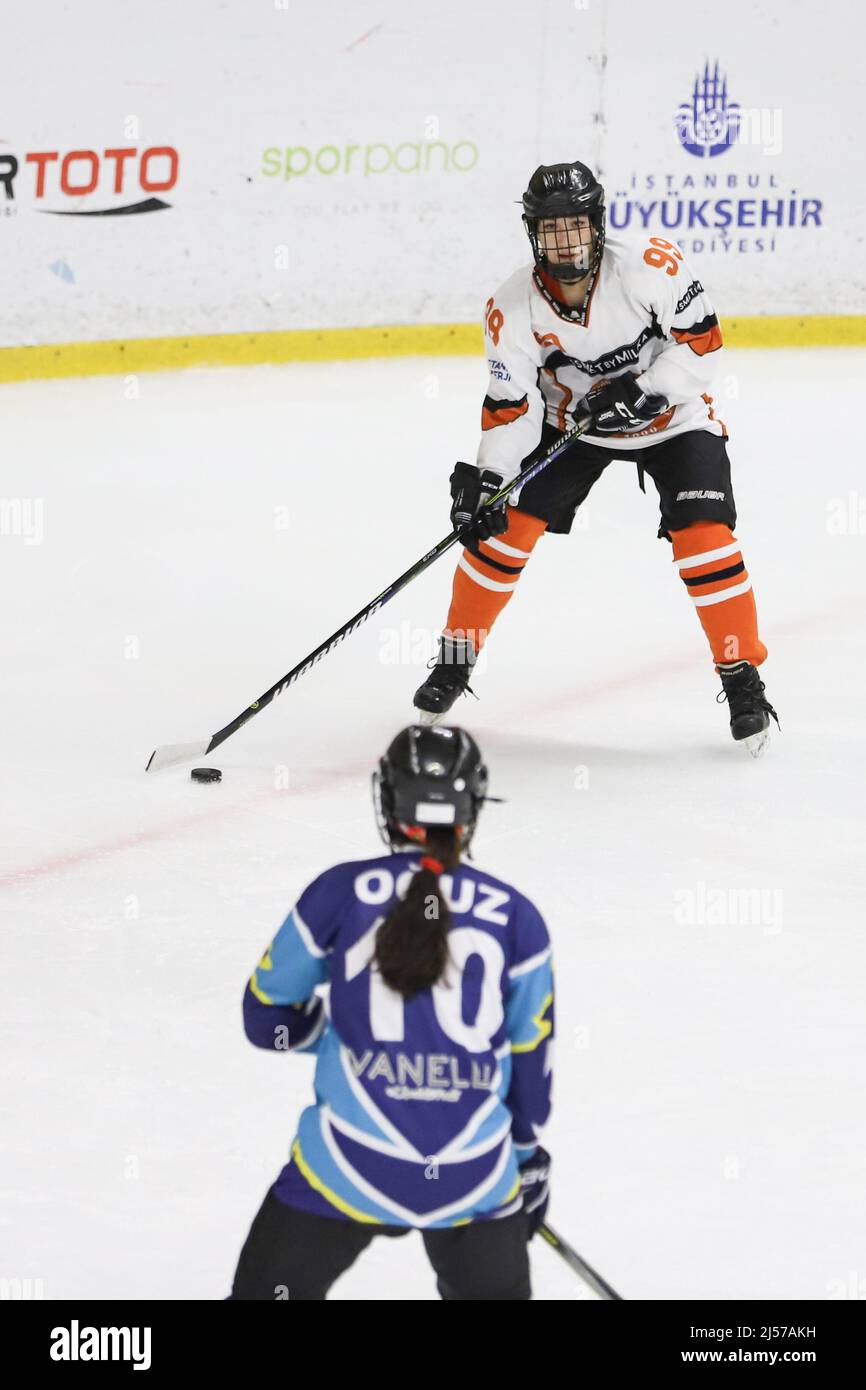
{"x": 190, "y": 170}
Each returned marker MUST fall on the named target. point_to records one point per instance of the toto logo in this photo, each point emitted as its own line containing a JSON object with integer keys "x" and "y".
{"x": 52, "y": 176}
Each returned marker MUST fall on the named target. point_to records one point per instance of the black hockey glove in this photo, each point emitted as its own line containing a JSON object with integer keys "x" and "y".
{"x": 535, "y": 1187}
{"x": 471, "y": 518}
{"x": 620, "y": 406}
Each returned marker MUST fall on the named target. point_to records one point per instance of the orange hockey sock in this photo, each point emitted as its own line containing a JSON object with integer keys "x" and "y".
{"x": 484, "y": 583}
{"x": 711, "y": 564}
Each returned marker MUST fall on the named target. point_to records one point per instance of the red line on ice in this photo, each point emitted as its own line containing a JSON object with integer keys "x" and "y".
{"x": 58, "y": 863}
{"x": 364, "y": 37}
{"x": 581, "y": 694}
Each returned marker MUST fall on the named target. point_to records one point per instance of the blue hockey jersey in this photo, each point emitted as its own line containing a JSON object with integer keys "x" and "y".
{"x": 424, "y": 1107}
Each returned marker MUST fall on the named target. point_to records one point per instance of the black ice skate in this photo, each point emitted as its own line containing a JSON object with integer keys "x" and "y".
{"x": 749, "y": 707}
{"x": 448, "y": 679}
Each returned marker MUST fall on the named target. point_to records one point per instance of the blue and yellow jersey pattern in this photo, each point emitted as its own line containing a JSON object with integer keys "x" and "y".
{"x": 423, "y": 1108}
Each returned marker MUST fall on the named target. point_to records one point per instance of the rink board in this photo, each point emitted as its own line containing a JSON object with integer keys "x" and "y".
{"x": 119, "y": 357}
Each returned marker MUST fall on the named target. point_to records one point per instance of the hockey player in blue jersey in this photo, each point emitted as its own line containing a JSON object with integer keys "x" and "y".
{"x": 433, "y": 1070}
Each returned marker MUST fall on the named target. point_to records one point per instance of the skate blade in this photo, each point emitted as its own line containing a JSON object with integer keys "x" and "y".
{"x": 757, "y": 743}
{"x": 427, "y": 718}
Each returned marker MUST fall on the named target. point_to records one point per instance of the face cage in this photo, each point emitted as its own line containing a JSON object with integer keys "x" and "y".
{"x": 392, "y": 832}
{"x": 567, "y": 274}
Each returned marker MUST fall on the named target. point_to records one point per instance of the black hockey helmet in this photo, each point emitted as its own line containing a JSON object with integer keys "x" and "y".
{"x": 565, "y": 190}
{"x": 432, "y": 777}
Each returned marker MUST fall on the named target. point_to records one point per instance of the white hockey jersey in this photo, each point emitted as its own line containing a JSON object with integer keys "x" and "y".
{"x": 646, "y": 312}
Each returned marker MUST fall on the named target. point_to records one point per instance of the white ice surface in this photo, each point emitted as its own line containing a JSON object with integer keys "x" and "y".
{"x": 709, "y": 1130}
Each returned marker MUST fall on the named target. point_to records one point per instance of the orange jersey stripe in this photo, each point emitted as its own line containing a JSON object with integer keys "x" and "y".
{"x": 700, "y": 343}
{"x": 565, "y": 399}
{"x": 713, "y": 415}
{"x": 548, "y": 340}
{"x": 493, "y": 414}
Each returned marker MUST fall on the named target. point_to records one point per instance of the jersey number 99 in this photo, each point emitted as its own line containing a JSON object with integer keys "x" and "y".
{"x": 663, "y": 254}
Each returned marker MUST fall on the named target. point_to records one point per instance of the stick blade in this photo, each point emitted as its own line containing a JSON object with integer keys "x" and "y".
{"x": 171, "y": 753}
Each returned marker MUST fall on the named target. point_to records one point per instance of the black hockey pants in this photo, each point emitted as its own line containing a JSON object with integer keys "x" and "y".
{"x": 296, "y": 1256}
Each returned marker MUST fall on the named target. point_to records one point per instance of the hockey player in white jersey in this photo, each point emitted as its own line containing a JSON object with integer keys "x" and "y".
{"x": 622, "y": 331}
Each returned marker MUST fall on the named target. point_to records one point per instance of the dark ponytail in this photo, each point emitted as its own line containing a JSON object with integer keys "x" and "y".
{"x": 412, "y": 942}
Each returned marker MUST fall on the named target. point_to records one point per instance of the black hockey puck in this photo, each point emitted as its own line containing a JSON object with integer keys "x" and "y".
{"x": 206, "y": 774}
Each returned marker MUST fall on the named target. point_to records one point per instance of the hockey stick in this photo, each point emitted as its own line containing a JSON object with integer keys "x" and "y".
{"x": 170, "y": 753}
{"x": 578, "y": 1264}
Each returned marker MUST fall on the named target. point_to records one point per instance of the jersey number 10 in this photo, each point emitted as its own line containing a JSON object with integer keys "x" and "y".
{"x": 387, "y": 1008}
